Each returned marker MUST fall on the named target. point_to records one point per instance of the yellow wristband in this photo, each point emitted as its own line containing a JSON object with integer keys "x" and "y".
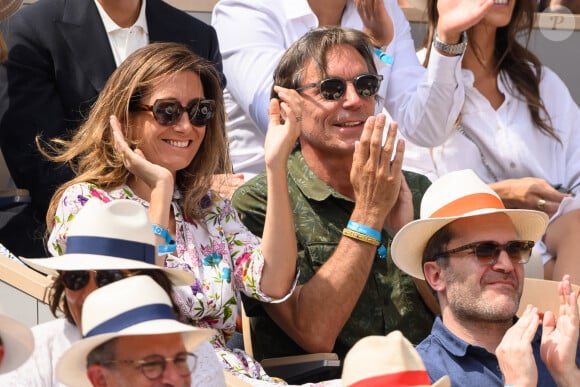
{"x": 360, "y": 237}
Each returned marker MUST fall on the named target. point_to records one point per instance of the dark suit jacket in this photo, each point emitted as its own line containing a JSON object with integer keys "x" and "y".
{"x": 59, "y": 60}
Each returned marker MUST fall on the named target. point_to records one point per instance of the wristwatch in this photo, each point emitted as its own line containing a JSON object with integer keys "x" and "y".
{"x": 451, "y": 49}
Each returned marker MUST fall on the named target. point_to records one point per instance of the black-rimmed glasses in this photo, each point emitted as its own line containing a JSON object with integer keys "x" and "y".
{"x": 153, "y": 366}
{"x": 332, "y": 89}
{"x": 487, "y": 252}
{"x": 168, "y": 111}
{"x": 78, "y": 279}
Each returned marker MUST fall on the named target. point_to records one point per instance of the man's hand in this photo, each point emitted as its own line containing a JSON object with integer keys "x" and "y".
{"x": 560, "y": 338}
{"x": 375, "y": 179}
{"x": 377, "y": 23}
{"x": 515, "y": 354}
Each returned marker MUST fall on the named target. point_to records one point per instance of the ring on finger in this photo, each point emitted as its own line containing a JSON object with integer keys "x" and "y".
{"x": 541, "y": 203}
{"x": 299, "y": 118}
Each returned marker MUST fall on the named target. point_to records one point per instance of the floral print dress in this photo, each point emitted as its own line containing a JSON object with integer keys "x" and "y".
{"x": 224, "y": 256}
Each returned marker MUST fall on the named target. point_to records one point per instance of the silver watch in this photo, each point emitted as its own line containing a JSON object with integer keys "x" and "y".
{"x": 451, "y": 49}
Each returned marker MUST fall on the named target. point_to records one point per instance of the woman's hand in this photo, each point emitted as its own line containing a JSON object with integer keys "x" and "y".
{"x": 456, "y": 16}
{"x": 135, "y": 161}
{"x": 529, "y": 193}
{"x": 377, "y": 23}
{"x": 281, "y": 138}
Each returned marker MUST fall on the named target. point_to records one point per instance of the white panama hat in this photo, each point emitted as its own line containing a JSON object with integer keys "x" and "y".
{"x": 456, "y": 195}
{"x": 18, "y": 343}
{"x": 109, "y": 236}
{"x": 387, "y": 360}
{"x": 133, "y": 306}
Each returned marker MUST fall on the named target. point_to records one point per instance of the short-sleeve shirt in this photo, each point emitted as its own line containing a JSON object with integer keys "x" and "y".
{"x": 470, "y": 365}
{"x": 389, "y": 300}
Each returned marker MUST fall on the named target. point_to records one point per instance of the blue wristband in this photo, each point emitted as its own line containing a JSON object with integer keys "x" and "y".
{"x": 171, "y": 246}
{"x": 366, "y": 230}
{"x": 383, "y": 56}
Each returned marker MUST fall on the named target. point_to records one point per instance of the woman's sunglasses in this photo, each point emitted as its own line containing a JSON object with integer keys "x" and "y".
{"x": 76, "y": 280}
{"x": 332, "y": 89}
{"x": 168, "y": 111}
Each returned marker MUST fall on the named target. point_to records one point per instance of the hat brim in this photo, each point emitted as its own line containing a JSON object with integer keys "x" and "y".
{"x": 410, "y": 242}
{"x": 71, "y": 262}
{"x": 71, "y": 369}
{"x": 18, "y": 343}
{"x": 444, "y": 381}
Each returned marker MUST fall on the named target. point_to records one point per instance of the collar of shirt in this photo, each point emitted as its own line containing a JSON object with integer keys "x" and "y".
{"x": 124, "y": 41}
{"x": 307, "y": 181}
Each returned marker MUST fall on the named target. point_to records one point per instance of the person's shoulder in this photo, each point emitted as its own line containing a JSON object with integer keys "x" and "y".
{"x": 177, "y": 16}
{"x": 256, "y": 185}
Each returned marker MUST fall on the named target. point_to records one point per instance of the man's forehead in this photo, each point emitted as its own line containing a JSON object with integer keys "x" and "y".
{"x": 494, "y": 226}
{"x": 339, "y": 58}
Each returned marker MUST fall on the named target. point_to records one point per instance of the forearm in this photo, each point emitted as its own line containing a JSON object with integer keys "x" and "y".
{"x": 279, "y": 238}
{"x": 160, "y": 212}
{"x": 318, "y": 310}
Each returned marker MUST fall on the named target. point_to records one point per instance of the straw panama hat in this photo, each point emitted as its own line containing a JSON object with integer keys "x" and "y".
{"x": 129, "y": 307}
{"x": 109, "y": 236}
{"x": 458, "y": 194}
{"x": 18, "y": 343}
{"x": 387, "y": 360}
{"x": 8, "y": 8}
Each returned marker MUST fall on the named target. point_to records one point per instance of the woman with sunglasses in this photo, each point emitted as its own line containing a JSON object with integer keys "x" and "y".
{"x": 138, "y": 144}
{"x": 97, "y": 255}
{"x": 518, "y": 127}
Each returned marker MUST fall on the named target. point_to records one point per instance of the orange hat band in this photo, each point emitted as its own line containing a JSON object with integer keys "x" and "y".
{"x": 467, "y": 204}
{"x": 400, "y": 379}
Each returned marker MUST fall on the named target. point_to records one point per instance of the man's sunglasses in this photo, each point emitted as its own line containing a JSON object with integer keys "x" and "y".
{"x": 168, "y": 111}
{"x": 78, "y": 279}
{"x": 332, "y": 89}
{"x": 487, "y": 252}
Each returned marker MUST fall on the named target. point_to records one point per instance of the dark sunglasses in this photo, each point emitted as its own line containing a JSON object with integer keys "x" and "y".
{"x": 76, "y": 280}
{"x": 487, "y": 252}
{"x": 332, "y": 89}
{"x": 168, "y": 111}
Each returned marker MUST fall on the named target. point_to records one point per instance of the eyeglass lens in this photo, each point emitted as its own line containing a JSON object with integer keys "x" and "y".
{"x": 168, "y": 112}
{"x": 76, "y": 280}
{"x": 154, "y": 366}
{"x": 332, "y": 89}
{"x": 517, "y": 251}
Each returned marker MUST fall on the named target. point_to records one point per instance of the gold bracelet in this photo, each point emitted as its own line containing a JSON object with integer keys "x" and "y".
{"x": 360, "y": 237}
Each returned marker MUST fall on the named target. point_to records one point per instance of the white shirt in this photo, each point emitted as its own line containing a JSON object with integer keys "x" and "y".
{"x": 253, "y": 35}
{"x": 125, "y": 41}
{"x": 512, "y": 146}
{"x": 53, "y": 338}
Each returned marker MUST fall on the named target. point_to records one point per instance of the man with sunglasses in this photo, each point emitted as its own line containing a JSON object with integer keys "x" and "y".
{"x": 131, "y": 337}
{"x": 472, "y": 251}
{"x": 348, "y": 200}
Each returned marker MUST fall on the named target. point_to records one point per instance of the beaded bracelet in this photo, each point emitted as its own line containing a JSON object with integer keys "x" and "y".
{"x": 366, "y": 234}
{"x": 171, "y": 246}
{"x": 362, "y": 229}
{"x": 360, "y": 236}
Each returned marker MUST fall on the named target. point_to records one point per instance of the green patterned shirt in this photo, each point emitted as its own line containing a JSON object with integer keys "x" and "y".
{"x": 389, "y": 300}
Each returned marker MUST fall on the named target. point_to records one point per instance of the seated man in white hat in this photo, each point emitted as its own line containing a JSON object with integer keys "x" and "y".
{"x": 16, "y": 343}
{"x": 472, "y": 251}
{"x": 120, "y": 244}
{"x": 131, "y": 338}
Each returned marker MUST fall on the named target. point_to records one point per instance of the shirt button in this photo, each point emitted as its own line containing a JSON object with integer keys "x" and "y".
{"x": 513, "y": 165}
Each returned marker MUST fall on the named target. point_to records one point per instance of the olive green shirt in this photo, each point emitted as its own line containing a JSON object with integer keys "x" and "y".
{"x": 389, "y": 300}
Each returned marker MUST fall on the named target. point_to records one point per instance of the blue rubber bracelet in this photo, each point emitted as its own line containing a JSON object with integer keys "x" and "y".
{"x": 383, "y": 56}
{"x": 366, "y": 230}
{"x": 165, "y": 249}
{"x": 163, "y": 233}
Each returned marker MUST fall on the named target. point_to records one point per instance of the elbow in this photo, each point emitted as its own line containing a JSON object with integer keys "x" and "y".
{"x": 316, "y": 340}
